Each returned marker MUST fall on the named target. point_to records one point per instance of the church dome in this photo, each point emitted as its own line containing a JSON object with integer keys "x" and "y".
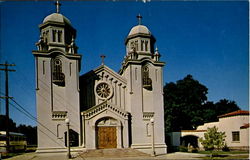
{"x": 139, "y": 29}
{"x": 56, "y": 17}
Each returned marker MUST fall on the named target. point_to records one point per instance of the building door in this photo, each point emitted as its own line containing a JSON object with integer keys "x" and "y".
{"x": 106, "y": 137}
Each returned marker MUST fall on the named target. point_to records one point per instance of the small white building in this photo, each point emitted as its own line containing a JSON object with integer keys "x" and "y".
{"x": 234, "y": 124}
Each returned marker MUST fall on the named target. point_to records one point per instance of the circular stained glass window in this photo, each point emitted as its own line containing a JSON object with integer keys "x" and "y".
{"x": 103, "y": 90}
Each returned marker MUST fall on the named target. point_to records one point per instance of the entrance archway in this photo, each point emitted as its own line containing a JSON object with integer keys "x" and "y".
{"x": 190, "y": 140}
{"x": 106, "y": 136}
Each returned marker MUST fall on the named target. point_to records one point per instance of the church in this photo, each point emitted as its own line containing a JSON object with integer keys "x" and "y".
{"x": 106, "y": 109}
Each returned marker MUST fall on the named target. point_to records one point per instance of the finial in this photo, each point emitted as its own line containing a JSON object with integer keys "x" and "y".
{"x": 102, "y": 57}
{"x": 72, "y": 41}
{"x": 139, "y": 17}
{"x": 57, "y": 6}
{"x": 156, "y": 49}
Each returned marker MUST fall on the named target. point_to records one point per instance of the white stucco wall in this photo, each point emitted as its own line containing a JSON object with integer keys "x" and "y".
{"x": 225, "y": 124}
{"x": 232, "y": 124}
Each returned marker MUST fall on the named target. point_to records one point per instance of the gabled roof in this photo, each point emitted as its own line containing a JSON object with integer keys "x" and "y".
{"x": 105, "y": 69}
{"x": 91, "y": 112}
{"x": 235, "y": 113}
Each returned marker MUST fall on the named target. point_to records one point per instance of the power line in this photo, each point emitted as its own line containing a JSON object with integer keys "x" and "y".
{"x": 36, "y": 121}
{"x": 29, "y": 115}
{"x": 25, "y": 112}
{"x": 6, "y": 97}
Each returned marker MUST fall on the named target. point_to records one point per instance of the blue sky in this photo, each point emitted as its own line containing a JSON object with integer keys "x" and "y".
{"x": 208, "y": 40}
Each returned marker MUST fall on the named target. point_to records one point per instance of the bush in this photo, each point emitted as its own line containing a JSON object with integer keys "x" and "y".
{"x": 225, "y": 148}
{"x": 183, "y": 149}
{"x": 194, "y": 150}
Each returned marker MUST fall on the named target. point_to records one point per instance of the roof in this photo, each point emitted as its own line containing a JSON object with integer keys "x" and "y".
{"x": 235, "y": 113}
{"x": 56, "y": 17}
{"x": 139, "y": 29}
{"x": 11, "y": 133}
{"x": 194, "y": 130}
{"x": 245, "y": 126}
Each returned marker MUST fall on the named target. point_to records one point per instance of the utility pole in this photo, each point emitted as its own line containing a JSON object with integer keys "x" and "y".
{"x": 6, "y": 65}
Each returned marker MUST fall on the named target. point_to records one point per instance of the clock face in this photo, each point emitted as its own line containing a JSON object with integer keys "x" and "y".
{"x": 103, "y": 90}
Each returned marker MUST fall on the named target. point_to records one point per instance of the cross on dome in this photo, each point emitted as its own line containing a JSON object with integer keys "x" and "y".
{"x": 103, "y": 57}
{"x": 139, "y": 17}
{"x": 57, "y": 6}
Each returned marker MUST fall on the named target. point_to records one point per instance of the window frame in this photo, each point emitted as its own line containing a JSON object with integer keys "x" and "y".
{"x": 235, "y": 136}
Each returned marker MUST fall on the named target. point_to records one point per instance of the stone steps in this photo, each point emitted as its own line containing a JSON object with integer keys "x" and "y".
{"x": 112, "y": 153}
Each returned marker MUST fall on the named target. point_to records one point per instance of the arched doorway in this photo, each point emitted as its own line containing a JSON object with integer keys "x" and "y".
{"x": 189, "y": 140}
{"x": 106, "y": 129}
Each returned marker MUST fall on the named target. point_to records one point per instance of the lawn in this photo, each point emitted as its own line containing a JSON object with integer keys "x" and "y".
{"x": 223, "y": 152}
{"x": 229, "y": 157}
{"x": 226, "y": 155}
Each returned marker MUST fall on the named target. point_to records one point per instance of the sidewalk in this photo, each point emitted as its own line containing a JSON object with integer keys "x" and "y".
{"x": 75, "y": 156}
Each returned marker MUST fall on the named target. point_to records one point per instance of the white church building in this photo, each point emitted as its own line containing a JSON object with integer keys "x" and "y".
{"x": 106, "y": 109}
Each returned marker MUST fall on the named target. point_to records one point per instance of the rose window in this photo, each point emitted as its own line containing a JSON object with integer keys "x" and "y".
{"x": 103, "y": 90}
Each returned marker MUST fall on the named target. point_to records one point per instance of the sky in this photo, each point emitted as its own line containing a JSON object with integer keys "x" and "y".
{"x": 207, "y": 39}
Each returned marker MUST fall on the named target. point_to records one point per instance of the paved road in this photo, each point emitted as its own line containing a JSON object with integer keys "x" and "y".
{"x": 75, "y": 156}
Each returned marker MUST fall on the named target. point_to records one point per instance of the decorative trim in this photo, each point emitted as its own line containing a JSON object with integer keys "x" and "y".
{"x": 88, "y": 114}
{"x": 111, "y": 72}
{"x": 59, "y": 115}
{"x": 148, "y": 115}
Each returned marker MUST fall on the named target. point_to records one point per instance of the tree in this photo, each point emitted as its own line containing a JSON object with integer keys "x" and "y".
{"x": 211, "y": 111}
{"x": 30, "y": 133}
{"x": 182, "y": 104}
{"x": 186, "y": 105}
{"x": 213, "y": 139}
{"x": 225, "y": 106}
{"x": 12, "y": 124}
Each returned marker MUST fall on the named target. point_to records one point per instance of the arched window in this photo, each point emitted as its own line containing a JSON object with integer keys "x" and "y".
{"x": 146, "y": 81}
{"x": 59, "y": 36}
{"x": 58, "y": 76}
{"x": 146, "y": 45}
{"x": 53, "y": 35}
{"x": 136, "y": 45}
{"x": 142, "y": 43}
{"x": 132, "y": 45}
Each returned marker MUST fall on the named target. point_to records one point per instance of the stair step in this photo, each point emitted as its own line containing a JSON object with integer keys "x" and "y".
{"x": 125, "y": 152}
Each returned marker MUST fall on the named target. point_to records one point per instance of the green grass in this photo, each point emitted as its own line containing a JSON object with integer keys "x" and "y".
{"x": 223, "y": 152}
{"x": 226, "y": 155}
{"x": 229, "y": 157}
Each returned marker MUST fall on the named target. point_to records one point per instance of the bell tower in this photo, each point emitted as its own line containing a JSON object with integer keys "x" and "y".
{"x": 144, "y": 73}
{"x": 57, "y": 83}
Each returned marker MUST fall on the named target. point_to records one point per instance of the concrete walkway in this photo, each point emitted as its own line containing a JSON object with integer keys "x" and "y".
{"x": 80, "y": 156}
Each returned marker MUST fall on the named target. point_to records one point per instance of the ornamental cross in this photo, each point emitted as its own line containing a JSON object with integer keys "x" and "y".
{"x": 102, "y": 57}
{"x": 139, "y": 17}
{"x": 57, "y": 6}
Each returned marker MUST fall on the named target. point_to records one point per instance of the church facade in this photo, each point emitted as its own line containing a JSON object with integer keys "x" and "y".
{"x": 106, "y": 109}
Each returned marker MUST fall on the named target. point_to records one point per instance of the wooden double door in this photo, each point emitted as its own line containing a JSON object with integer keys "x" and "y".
{"x": 106, "y": 137}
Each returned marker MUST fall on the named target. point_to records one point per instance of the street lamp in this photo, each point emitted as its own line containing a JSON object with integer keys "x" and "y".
{"x": 68, "y": 145}
{"x": 152, "y": 136}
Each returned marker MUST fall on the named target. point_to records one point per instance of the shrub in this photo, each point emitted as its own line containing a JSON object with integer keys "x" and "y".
{"x": 225, "y": 148}
{"x": 183, "y": 149}
{"x": 194, "y": 150}
{"x": 213, "y": 139}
